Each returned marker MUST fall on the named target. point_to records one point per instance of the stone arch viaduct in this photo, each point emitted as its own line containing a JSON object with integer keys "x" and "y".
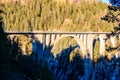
{"x": 86, "y": 40}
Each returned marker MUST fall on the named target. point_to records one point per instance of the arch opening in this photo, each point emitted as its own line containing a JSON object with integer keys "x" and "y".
{"x": 65, "y": 42}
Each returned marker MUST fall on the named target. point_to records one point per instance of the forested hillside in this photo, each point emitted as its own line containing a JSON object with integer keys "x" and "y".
{"x": 25, "y": 57}
{"x": 52, "y": 15}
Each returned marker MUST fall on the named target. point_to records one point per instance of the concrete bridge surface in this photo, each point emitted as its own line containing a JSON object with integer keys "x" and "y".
{"x": 86, "y": 40}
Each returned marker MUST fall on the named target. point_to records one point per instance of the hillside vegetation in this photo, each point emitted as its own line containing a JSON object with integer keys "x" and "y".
{"x": 52, "y": 15}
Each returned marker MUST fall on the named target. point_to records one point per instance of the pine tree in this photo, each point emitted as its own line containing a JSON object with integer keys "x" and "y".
{"x": 113, "y": 16}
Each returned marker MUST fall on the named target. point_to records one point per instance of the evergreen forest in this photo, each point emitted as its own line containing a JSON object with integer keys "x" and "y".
{"x": 53, "y": 15}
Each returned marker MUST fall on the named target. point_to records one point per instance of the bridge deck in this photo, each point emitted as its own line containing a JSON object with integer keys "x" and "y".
{"x": 10, "y": 32}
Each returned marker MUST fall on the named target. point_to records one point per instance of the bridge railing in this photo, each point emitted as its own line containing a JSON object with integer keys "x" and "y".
{"x": 36, "y": 32}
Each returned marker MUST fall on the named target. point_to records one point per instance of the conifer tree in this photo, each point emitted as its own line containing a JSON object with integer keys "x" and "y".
{"x": 113, "y": 16}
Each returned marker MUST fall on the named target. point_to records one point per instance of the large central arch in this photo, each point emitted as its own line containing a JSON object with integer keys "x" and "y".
{"x": 77, "y": 39}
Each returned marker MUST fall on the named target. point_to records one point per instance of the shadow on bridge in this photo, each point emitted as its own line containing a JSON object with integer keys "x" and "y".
{"x": 68, "y": 65}
{"x": 16, "y": 66}
{"x": 75, "y": 67}
{"x": 63, "y": 67}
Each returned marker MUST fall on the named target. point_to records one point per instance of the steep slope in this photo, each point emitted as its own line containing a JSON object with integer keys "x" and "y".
{"x": 51, "y": 15}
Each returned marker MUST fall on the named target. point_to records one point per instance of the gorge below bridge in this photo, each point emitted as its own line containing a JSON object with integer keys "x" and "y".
{"x": 86, "y": 40}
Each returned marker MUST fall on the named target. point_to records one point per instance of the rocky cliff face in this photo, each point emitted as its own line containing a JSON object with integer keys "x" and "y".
{"x": 24, "y": 44}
